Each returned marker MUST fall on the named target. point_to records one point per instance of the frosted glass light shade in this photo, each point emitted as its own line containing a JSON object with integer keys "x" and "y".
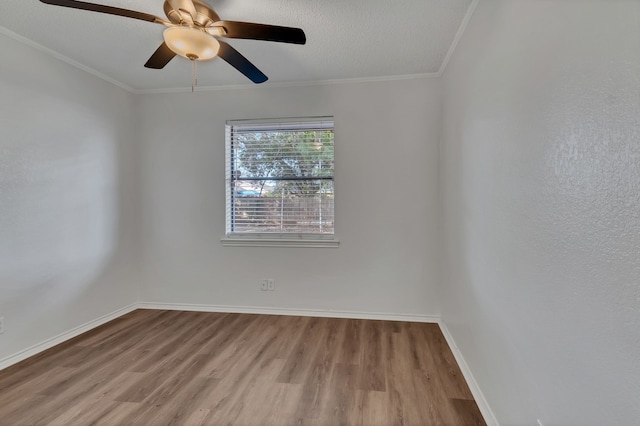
{"x": 191, "y": 43}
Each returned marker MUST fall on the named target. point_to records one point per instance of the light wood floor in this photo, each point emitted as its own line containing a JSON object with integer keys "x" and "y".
{"x": 189, "y": 368}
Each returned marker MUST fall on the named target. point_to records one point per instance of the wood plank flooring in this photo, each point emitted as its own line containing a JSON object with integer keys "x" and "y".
{"x": 192, "y": 368}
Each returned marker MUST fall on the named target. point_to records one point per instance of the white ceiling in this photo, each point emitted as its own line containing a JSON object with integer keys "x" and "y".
{"x": 345, "y": 39}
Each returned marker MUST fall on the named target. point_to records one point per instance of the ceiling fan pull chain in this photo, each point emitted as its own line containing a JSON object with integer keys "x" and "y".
{"x": 194, "y": 78}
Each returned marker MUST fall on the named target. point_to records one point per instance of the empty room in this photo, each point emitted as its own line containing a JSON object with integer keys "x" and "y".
{"x": 279, "y": 212}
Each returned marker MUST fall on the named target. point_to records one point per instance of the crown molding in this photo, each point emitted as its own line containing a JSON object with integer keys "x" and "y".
{"x": 65, "y": 59}
{"x": 459, "y": 34}
{"x": 289, "y": 84}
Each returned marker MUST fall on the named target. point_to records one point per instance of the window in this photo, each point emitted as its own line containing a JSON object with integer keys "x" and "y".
{"x": 279, "y": 176}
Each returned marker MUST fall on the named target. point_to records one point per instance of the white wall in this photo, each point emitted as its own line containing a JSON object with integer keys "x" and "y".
{"x": 67, "y": 195}
{"x": 386, "y": 201}
{"x": 541, "y": 192}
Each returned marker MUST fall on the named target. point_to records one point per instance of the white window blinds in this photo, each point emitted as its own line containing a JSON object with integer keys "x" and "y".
{"x": 280, "y": 178}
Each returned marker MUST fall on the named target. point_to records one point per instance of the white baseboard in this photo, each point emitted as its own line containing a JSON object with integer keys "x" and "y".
{"x": 60, "y": 338}
{"x": 290, "y": 312}
{"x": 483, "y": 405}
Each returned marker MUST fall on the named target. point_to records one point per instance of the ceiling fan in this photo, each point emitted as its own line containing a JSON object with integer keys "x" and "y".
{"x": 194, "y": 31}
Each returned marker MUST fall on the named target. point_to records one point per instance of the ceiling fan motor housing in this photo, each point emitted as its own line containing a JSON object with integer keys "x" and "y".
{"x": 178, "y": 12}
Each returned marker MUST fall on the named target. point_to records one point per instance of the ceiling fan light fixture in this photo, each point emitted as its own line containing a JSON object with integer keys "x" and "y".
{"x": 191, "y": 43}
{"x": 194, "y": 29}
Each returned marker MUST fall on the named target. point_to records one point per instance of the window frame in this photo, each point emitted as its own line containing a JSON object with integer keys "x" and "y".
{"x": 257, "y": 239}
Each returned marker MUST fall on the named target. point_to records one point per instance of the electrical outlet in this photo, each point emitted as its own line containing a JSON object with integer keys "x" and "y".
{"x": 1, "y": 325}
{"x": 264, "y": 285}
{"x": 271, "y": 284}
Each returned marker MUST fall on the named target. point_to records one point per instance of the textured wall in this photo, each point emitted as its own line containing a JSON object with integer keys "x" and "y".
{"x": 67, "y": 186}
{"x": 541, "y": 192}
{"x": 386, "y": 201}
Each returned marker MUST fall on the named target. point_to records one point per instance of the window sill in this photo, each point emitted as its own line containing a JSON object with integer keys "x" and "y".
{"x": 263, "y": 242}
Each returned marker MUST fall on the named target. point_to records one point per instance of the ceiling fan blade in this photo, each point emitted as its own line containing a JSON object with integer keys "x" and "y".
{"x": 160, "y": 57}
{"x": 242, "y": 64}
{"x": 186, "y": 5}
{"x": 105, "y": 9}
{"x": 250, "y": 30}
